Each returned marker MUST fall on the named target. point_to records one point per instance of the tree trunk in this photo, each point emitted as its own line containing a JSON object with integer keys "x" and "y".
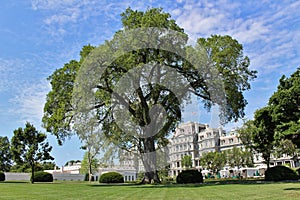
{"x": 32, "y": 173}
{"x": 149, "y": 161}
{"x": 90, "y": 167}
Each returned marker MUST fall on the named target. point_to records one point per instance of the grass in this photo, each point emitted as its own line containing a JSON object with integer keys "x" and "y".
{"x": 82, "y": 190}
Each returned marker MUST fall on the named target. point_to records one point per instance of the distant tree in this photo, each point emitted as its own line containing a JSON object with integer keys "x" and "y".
{"x": 48, "y": 165}
{"x": 285, "y": 103}
{"x": 245, "y": 134}
{"x": 186, "y": 161}
{"x": 93, "y": 139}
{"x": 72, "y": 162}
{"x": 29, "y": 146}
{"x": 214, "y": 161}
{"x": 5, "y": 154}
{"x": 89, "y": 166}
{"x": 236, "y": 157}
{"x": 286, "y": 147}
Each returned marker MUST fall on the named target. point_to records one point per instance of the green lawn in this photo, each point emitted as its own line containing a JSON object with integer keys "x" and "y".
{"x": 75, "y": 190}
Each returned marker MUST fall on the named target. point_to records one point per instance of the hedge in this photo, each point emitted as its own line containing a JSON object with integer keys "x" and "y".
{"x": 189, "y": 176}
{"x": 43, "y": 177}
{"x": 2, "y": 176}
{"x": 280, "y": 173}
{"x": 111, "y": 177}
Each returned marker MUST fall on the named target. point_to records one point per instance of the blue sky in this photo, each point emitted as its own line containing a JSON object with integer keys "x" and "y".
{"x": 39, "y": 36}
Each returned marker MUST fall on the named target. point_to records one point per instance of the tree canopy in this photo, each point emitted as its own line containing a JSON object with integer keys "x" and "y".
{"x": 137, "y": 82}
{"x": 285, "y": 103}
{"x": 5, "y": 154}
{"x": 29, "y": 146}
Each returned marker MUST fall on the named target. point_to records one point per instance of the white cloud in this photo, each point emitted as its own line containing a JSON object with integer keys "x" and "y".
{"x": 29, "y": 103}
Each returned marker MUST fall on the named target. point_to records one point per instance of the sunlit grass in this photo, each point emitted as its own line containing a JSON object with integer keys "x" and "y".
{"x": 83, "y": 190}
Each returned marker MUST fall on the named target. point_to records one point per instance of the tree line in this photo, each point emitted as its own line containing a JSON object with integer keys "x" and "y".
{"x": 28, "y": 151}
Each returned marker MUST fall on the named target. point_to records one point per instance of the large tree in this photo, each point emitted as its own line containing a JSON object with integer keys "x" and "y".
{"x": 137, "y": 81}
{"x": 29, "y": 146}
{"x": 5, "y": 154}
{"x": 286, "y": 108}
{"x": 259, "y": 134}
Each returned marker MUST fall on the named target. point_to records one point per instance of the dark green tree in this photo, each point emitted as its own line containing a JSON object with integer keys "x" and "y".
{"x": 259, "y": 134}
{"x": 215, "y": 69}
{"x": 5, "y": 154}
{"x": 186, "y": 161}
{"x": 285, "y": 103}
{"x": 29, "y": 146}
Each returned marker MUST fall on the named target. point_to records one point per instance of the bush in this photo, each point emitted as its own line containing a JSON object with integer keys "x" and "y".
{"x": 298, "y": 170}
{"x": 280, "y": 173}
{"x": 111, "y": 177}
{"x": 86, "y": 177}
{"x": 42, "y": 177}
{"x": 2, "y": 176}
{"x": 189, "y": 176}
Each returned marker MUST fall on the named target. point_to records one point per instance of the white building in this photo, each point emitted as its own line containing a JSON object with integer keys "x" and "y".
{"x": 192, "y": 139}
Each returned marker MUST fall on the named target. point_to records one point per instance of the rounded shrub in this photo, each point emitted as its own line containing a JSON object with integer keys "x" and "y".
{"x": 43, "y": 177}
{"x": 280, "y": 173}
{"x": 189, "y": 176}
{"x": 111, "y": 177}
{"x": 2, "y": 176}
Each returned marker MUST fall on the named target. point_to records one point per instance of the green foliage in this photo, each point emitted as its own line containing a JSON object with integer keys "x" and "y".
{"x": 71, "y": 162}
{"x": 189, "y": 176}
{"x": 48, "y": 165}
{"x": 227, "y": 54}
{"x": 42, "y": 177}
{"x": 111, "y": 177}
{"x": 222, "y": 51}
{"x": 87, "y": 177}
{"x": 298, "y": 171}
{"x": 2, "y": 176}
{"x": 29, "y": 147}
{"x": 5, "y": 154}
{"x": 259, "y": 134}
{"x": 86, "y": 167}
{"x": 285, "y": 104}
{"x": 214, "y": 161}
{"x": 280, "y": 173}
{"x": 186, "y": 161}
{"x": 236, "y": 157}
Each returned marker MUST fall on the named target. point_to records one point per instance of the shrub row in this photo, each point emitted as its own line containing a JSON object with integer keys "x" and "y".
{"x": 111, "y": 177}
{"x": 281, "y": 173}
{"x": 43, "y": 177}
{"x": 2, "y": 176}
{"x": 189, "y": 176}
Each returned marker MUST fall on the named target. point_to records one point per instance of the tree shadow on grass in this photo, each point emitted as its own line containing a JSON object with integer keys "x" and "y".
{"x": 292, "y": 188}
{"x": 211, "y": 183}
{"x": 9, "y": 182}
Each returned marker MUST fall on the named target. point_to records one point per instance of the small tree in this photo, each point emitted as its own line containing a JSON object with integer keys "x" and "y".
{"x": 5, "y": 154}
{"x": 94, "y": 141}
{"x": 186, "y": 161}
{"x": 236, "y": 157}
{"x": 89, "y": 167}
{"x": 29, "y": 146}
{"x": 214, "y": 161}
